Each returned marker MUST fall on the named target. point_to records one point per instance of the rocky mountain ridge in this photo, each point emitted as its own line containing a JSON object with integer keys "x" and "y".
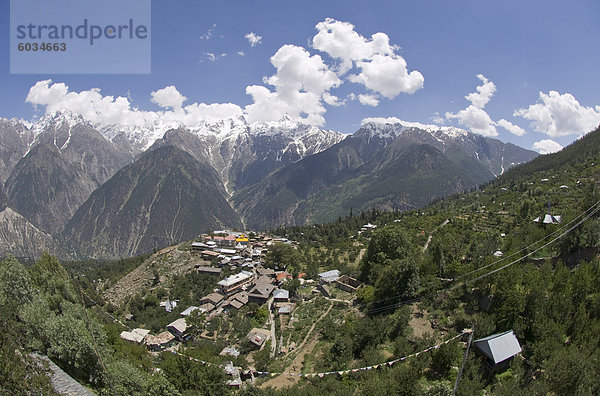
{"x": 72, "y": 177}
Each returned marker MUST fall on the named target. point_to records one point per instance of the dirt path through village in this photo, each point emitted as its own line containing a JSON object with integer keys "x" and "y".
{"x": 284, "y": 380}
{"x": 431, "y": 234}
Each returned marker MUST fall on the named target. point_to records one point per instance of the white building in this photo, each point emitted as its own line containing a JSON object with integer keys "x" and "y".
{"x": 235, "y": 282}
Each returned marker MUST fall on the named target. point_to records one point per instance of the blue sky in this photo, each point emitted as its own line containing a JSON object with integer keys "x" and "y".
{"x": 542, "y": 54}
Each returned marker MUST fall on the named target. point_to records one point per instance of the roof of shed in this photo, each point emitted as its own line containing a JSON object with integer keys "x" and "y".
{"x": 499, "y": 347}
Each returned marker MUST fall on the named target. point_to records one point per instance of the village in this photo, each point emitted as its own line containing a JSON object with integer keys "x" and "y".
{"x": 292, "y": 308}
{"x": 250, "y": 281}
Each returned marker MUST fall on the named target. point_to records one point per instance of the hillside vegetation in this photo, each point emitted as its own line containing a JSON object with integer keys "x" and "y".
{"x": 470, "y": 261}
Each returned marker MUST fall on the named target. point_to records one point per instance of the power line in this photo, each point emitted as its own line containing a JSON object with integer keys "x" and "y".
{"x": 595, "y": 207}
{"x": 318, "y": 374}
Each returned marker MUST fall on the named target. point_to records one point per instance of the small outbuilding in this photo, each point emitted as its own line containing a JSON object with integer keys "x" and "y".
{"x": 498, "y": 349}
{"x": 548, "y": 219}
{"x": 281, "y": 295}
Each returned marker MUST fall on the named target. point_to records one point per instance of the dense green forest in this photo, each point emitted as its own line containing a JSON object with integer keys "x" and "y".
{"x": 470, "y": 261}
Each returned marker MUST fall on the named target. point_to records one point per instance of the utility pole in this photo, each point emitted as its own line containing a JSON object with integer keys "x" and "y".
{"x": 463, "y": 363}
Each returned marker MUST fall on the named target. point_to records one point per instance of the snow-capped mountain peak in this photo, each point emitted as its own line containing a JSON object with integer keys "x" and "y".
{"x": 393, "y": 127}
{"x": 66, "y": 119}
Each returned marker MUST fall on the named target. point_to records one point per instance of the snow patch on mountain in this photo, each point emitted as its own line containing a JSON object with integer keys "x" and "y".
{"x": 399, "y": 126}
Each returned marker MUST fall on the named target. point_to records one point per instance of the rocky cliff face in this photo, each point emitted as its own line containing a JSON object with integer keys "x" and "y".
{"x": 15, "y": 141}
{"x": 20, "y": 238}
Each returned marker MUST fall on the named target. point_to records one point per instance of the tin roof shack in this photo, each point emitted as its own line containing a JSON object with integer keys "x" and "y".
{"x": 285, "y": 308}
{"x": 169, "y": 305}
{"x": 230, "y": 369}
{"x": 347, "y": 284}
{"x": 230, "y": 351}
{"x": 159, "y": 342}
{"x": 188, "y": 310}
{"x": 548, "y": 219}
{"x": 498, "y": 349}
{"x": 178, "y": 329}
{"x": 281, "y": 295}
{"x": 329, "y": 276}
{"x": 258, "y": 337}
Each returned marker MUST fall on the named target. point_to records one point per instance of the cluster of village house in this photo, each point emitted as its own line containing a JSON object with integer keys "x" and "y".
{"x": 253, "y": 283}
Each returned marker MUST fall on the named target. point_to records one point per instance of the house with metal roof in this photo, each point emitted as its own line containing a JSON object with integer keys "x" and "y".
{"x": 258, "y": 336}
{"x": 498, "y": 349}
{"x": 178, "y": 328}
{"x": 235, "y": 282}
{"x": 281, "y": 295}
{"x": 329, "y": 276}
{"x": 188, "y": 310}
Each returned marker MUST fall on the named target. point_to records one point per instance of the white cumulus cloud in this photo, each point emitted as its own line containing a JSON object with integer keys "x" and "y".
{"x": 388, "y": 76}
{"x": 381, "y": 69}
{"x": 168, "y": 97}
{"x": 341, "y": 41}
{"x": 510, "y": 127}
{"x": 476, "y": 120}
{"x": 484, "y": 92}
{"x": 560, "y": 114}
{"x": 253, "y": 38}
{"x": 368, "y": 100}
{"x": 300, "y": 83}
{"x": 209, "y": 32}
{"x": 107, "y": 110}
{"x": 547, "y": 146}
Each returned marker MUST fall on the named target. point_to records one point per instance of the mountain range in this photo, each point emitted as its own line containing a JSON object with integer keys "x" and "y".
{"x": 105, "y": 191}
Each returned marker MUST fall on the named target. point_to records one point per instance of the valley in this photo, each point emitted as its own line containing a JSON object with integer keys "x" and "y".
{"x": 375, "y": 299}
